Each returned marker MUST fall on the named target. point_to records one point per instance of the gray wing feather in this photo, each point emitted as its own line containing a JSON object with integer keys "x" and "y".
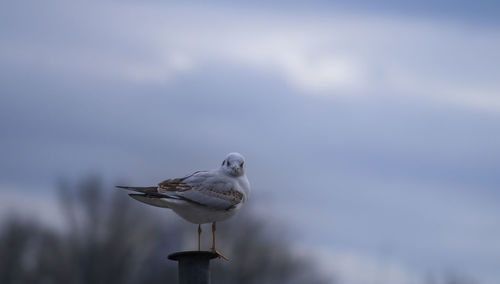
{"x": 209, "y": 189}
{"x": 208, "y": 198}
{"x": 203, "y": 188}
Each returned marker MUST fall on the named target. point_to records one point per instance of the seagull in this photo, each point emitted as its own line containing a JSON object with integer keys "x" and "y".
{"x": 202, "y": 197}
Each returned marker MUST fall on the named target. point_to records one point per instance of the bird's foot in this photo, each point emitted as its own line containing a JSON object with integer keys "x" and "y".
{"x": 220, "y": 255}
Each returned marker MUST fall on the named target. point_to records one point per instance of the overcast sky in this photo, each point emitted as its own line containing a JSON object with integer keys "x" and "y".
{"x": 371, "y": 129}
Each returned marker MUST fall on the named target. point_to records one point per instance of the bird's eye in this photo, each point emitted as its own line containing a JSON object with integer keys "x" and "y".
{"x": 241, "y": 165}
{"x": 223, "y": 162}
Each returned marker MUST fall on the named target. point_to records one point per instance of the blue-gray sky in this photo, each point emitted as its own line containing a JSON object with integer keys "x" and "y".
{"x": 370, "y": 128}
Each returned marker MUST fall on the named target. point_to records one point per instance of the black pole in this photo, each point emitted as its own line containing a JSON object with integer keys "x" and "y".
{"x": 194, "y": 266}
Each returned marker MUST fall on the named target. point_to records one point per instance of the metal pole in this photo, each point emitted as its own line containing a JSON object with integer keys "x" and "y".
{"x": 194, "y": 266}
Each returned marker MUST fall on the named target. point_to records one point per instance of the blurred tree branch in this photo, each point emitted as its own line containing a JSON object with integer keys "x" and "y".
{"x": 109, "y": 238}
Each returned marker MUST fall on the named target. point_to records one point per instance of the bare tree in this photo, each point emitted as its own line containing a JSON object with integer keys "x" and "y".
{"x": 111, "y": 239}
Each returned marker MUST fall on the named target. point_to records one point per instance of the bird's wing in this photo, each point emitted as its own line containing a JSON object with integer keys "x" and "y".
{"x": 203, "y": 188}
{"x": 178, "y": 184}
{"x": 151, "y": 191}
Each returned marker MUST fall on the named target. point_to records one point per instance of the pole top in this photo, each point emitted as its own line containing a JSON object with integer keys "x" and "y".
{"x": 194, "y": 266}
{"x": 192, "y": 254}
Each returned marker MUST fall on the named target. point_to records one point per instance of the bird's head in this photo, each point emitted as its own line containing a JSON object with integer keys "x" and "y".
{"x": 234, "y": 164}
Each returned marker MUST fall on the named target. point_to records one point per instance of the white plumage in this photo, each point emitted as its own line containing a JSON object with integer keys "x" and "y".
{"x": 203, "y": 197}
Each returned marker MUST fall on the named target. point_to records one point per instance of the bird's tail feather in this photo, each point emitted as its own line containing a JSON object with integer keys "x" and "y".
{"x": 141, "y": 189}
{"x": 150, "y": 200}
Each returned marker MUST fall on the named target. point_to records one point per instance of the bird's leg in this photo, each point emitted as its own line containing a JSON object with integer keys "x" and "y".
{"x": 220, "y": 255}
{"x": 199, "y": 236}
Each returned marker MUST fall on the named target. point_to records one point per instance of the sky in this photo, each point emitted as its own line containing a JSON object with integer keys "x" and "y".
{"x": 370, "y": 128}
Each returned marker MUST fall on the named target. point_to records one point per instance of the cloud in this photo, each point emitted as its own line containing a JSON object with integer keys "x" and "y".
{"x": 150, "y": 90}
{"x": 329, "y": 54}
{"x": 350, "y": 266}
